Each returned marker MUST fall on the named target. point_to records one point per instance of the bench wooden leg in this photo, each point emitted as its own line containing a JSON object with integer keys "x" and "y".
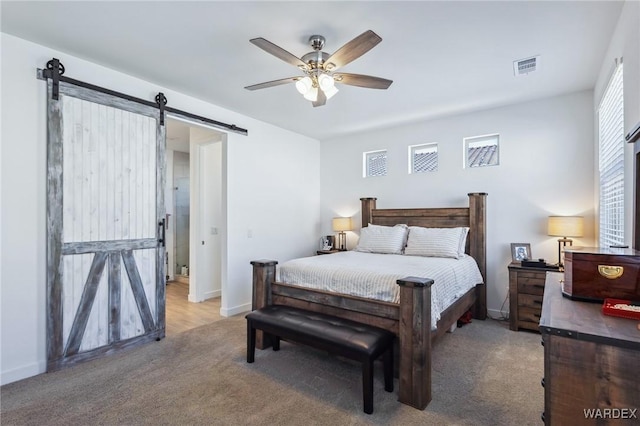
{"x": 387, "y": 360}
{"x": 367, "y": 386}
{"x": 275, "y": 340}
{"x": 251, "y": 342}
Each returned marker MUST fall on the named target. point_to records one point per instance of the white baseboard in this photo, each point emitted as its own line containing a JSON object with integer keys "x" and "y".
{"x": 20, "y": 373}
{"x": 236, "y": 310}
{"x": 495, "y": 313}
{"x": 208, "y": 295}
{"x": 212, "y": 294}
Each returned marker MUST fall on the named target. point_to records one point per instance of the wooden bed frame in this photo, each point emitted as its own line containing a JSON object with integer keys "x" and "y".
{"x": 410, "y": 320}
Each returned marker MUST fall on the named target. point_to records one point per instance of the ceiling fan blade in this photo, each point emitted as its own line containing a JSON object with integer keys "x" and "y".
{"x": 278, "y": 52}
{"x": 361, "y": 80}
{"x": 322, "y": 99}
{"x": 353, "y": 50}
{"x": 273, "y": 83}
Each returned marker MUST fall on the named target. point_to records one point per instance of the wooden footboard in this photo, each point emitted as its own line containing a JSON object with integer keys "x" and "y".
{"x": 410, "y": 321}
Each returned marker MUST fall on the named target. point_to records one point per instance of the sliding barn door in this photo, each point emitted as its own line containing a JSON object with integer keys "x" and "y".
{"x": 105, "y": 211}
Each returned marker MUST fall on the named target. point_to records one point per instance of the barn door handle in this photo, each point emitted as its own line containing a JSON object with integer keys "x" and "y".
{"x": 161, "y": 225}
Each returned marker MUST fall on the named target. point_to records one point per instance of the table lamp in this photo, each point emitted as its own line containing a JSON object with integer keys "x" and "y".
{"x": 340, "y": 225}
{"x": 565, "y": 227}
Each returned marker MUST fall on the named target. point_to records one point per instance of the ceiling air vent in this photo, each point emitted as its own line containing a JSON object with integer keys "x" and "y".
{"x": 526, "y": 66}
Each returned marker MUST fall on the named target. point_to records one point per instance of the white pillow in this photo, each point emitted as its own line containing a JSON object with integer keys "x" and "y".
{"x": 436, "y": 242}
{"x": 399, "y": 225}
{"x": 382, "y": 239}
{"x": 463, "y": 241}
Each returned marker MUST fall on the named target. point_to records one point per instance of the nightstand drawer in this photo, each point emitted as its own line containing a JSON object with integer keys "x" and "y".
{"x": 529, "y": 301}
{"x": 531, "y": 284}
{"x": 529, "y": 315}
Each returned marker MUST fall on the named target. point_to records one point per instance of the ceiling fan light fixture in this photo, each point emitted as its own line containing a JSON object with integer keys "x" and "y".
{"x": 329, "y": 92}
{"x": 319, "y": 81}
{"x": 312, "y": 94}
{"x": 304, "y": 85}
{"x": 325, "y": 81}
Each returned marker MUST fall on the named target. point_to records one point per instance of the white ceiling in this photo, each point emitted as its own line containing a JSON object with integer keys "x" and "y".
{"x": 444, "y": 57}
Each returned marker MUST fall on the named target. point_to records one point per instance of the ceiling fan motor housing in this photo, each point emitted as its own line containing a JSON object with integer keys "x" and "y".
{"x": 317, "y": 42}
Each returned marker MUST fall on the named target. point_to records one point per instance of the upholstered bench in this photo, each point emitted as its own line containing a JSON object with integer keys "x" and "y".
{"x": 350, "y": 339}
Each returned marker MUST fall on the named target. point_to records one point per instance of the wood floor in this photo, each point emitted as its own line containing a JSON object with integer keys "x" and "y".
{"x": 182, "y": 315}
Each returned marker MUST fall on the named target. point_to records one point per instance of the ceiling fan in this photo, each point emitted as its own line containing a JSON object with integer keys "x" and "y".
{"x": 318, "y": 83}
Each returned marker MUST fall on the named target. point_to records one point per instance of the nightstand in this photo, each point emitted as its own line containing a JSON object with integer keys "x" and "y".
{"x": 328, "y": 251}
{"x": 526, "y": 288}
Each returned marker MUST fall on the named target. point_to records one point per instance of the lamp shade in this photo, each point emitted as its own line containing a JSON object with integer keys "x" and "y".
{"x": 342, "y": 224}
{"x": 312, "y": 94}
{"x": 325, "y": 82}
{"x": 566, "y": 226}
{"x": 304, "y": 85}
{"x": 329, "y": 92}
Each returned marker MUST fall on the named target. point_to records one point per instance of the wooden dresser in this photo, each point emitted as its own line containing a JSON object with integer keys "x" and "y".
{"x": 591, "y": 362}
{"x": 526, "y": 288}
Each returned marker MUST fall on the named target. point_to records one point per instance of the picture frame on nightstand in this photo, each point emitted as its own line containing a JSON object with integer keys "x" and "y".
{"x": 520, "y": 252}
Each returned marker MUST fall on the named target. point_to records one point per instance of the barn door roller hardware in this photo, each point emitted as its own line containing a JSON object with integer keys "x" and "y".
{"x": 161, "y": 100}
{"x": 54, "y": 70}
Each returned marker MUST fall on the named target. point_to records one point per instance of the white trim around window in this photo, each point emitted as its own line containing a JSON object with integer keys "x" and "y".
{"x": 374, "y": 163}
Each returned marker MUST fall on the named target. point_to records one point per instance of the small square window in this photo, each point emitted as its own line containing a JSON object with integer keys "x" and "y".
{"x": 481, "y": 151}
{"x": 374, "y": 163}
{"x": 423, "y": 158}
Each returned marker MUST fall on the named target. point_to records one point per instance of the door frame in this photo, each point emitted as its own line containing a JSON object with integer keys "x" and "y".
{"x": 196, "y": 229}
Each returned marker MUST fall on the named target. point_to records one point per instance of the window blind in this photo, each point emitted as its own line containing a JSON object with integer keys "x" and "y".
{"x": 611, "y": 161}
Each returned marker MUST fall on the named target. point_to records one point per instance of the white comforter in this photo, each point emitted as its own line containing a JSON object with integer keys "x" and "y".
{"x": 374, "y": 276}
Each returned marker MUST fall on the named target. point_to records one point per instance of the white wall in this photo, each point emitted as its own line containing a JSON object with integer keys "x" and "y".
{"x": 546, "y": 167}
{"x": 272, "y": 189}
{"x": 624, "y": 44}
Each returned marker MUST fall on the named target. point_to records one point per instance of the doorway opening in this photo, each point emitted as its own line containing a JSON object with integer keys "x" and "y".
{"x": 179, "y": 250}
{"x": 195, "y": 225}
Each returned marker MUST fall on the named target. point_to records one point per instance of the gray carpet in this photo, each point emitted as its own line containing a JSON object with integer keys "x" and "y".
{"x": 483, "y": 374}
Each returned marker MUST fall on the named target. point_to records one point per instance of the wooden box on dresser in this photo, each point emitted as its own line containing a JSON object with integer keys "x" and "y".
{"x": 526, "y": 288}
{"x": 591, "y": 362}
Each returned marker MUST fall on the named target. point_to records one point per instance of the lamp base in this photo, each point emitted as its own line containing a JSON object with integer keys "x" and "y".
{"x": 342, "y": 241}
{"x": 562, "y": 242}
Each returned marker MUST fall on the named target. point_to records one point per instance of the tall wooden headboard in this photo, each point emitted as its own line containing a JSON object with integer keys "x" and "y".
{"x": 473, "y": 216}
